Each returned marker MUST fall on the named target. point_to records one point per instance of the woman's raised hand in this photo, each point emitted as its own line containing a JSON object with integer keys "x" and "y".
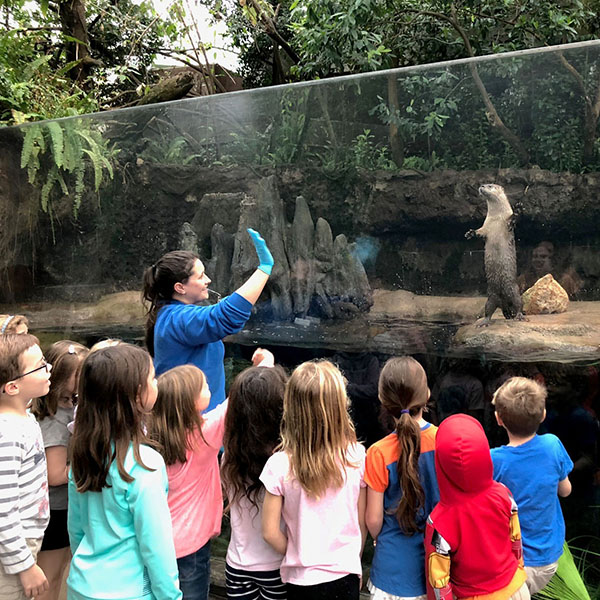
{"x": 265, "y": 257}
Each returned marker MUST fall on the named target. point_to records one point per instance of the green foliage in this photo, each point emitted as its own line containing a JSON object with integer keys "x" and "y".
{"x": 58, "y": 155}
{"x": 566, "y": 584}
{"x": 31, "y": 88}
{"x": 367, "y": 154}
{"x": 178, "y": 151}
{"x": 37, "y": 75}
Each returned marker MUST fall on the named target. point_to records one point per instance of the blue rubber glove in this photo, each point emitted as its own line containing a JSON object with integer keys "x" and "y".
{"x": 265, "y": 258}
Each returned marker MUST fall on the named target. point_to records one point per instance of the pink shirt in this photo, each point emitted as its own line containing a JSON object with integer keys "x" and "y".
{"x": 195, "y": 497}
{"x": 247, "y": 549}
{"x": 324, "y": 537}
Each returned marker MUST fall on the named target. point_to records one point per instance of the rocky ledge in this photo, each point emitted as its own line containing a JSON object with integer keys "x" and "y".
{"x": 399, "y": 322}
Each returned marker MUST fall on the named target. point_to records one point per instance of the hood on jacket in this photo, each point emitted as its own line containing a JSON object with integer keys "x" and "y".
{"x": 462, "y": 459}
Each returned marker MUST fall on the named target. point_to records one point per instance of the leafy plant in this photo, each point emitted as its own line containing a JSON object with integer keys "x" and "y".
{"x": 566, "y": 584}
{"x": 58, "y": 155}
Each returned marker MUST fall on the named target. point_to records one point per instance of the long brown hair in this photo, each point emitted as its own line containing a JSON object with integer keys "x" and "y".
{"x": 251, "y": 430}
{"x": 403, "y": 387}
{"x": 108, "y": 416}
{"x": 175, "y": 419}
{"x": 65, "y": 357}
{"x": 316, "y": 429}
{"x": 158, "y": 283}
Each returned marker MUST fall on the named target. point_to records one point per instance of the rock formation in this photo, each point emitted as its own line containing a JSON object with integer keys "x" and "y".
{"x": 313, "y": 274}
{"x": 546, "y": 296}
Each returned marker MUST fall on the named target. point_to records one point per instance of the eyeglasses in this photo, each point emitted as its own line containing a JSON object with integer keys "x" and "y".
{"x": 45, "y": 365}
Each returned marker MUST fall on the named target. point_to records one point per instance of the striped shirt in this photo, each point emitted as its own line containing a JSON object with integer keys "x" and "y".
{"x": 24, "y": 507}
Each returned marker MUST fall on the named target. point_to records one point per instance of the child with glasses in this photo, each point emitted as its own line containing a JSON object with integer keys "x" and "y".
{"x": 24, "y": 511}
{"x": 54, "y": 412}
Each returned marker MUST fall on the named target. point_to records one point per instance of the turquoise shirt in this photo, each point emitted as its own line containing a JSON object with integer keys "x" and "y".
{"x": 121, "y": 537}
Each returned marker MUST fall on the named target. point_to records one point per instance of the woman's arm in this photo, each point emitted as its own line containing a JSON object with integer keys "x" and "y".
{"x": 56, "y": 459}
{"x": 254, "y": 285}
{"x": 374, "y": 512}
{"x": 271, "y": 522}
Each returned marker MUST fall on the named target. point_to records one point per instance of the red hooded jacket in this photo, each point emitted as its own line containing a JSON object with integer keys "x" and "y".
{"x": 472, "y": 540}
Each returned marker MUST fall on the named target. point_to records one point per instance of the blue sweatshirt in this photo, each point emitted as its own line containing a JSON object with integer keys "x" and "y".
{"x": 121, "y": 537}
{"x": 189, "y": 334}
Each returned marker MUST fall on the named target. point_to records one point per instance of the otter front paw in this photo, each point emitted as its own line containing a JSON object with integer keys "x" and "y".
{"x": 470, "y": 234}
{"x": 521, "y": 317}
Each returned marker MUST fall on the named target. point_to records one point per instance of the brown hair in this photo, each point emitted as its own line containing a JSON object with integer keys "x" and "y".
{"x": 316, "y": 429}
{"x": 65, "y": 357}
{"x": 12, "y": 346}
{"x": 109, "y": 419}
{"x": 403, "y": 387}
{"x": 520, "y": 403}
{"x": 10, "y": 323}
{"x": 252, "y": 427}
{"x": 158, "y": 283}
{"x": 175, "y": 419}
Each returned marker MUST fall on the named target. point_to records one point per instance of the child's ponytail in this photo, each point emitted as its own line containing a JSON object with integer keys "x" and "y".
{"x": 403, "y": 392}
{"x": 158, "y": 282}
{"x": 413, "y": 496}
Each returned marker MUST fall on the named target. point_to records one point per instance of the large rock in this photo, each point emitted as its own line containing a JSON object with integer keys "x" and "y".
{"x": 187, "y": 240}
{"x": 546, "y": 296}
{"x": 301, "y": 257}
{"x": 219, "y": 266}
{"x": 264, "y": 213}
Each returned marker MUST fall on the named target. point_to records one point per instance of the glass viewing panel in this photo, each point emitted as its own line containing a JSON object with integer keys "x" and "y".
{"x": 364, "y": 188}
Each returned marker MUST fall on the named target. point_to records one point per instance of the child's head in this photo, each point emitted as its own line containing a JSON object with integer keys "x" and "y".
{"x": 403, "y": 392}
{"x": 116, "y": 389}
{"x": 13, "y": 324}
{"x": 316, "y": 428}
{"x": 520, "y": 405}
{"x": 463, "y": 462}
{"x": 107, "y": 343}
{"x": 24, "y": 372}
{"x": 252, "y": 429}
{"x": 403, "y": 386}
{"x": 182, "y": 394}
{"x": 65, "y": 357}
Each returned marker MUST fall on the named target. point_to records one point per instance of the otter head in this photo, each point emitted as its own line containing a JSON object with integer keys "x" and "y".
{"x": 497, "y": 202}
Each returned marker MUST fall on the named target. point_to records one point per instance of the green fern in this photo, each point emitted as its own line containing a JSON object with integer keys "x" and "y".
{"x": 56, "y": 135}
{"x": 71, "y": 149}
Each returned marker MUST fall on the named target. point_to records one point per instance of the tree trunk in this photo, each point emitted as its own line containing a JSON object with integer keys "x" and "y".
{"x": 169, "y": 89}
{"x": 73, "y": 23}
{"x": 396, "y": 142}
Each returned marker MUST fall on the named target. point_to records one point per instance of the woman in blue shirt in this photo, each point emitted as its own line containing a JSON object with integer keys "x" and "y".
{"x": 179, "y": 331}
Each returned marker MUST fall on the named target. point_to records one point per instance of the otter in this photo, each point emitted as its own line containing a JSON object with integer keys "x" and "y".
{"x": 500, "y": 255}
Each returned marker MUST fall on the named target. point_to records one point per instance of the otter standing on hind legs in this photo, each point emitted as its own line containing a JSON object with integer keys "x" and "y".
{"x": 500, "y": 255}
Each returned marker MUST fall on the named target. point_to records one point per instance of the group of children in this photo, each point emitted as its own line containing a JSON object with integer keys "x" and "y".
{"x": 146, "y": 485}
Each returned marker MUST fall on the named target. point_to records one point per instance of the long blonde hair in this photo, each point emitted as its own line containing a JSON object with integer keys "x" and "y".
{"x": 316, "y": 428}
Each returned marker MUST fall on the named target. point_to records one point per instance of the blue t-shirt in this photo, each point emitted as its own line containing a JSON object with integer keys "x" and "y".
{"x": 531, "y": 472}
{"x": 188, "y": 334}
{"x": 399, "y": 561}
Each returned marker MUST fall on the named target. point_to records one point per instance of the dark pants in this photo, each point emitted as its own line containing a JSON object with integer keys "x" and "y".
{"x": 345, "y": 588}
{"x": 194, "y": 574}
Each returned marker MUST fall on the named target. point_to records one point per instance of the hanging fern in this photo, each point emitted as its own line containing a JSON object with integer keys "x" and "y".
{"x": 71, "y": 149}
